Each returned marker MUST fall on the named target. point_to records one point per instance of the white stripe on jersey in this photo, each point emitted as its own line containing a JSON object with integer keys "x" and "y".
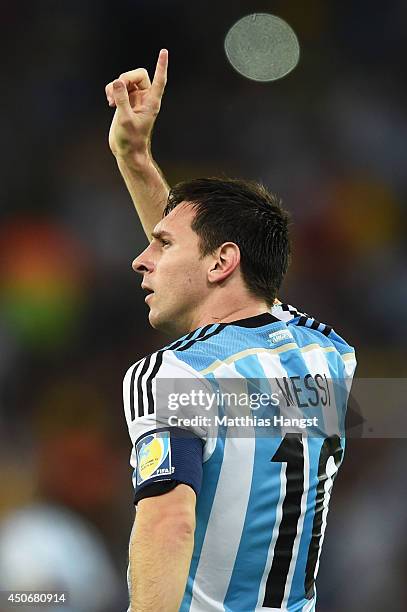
{"x": 285, "y": 312}
{"x": 145, "y": 408}
{"x": 317, "y": 363}
{"x": 127, "y": 388}
{"x": 309, "y": 606}
{"x": 273, "y": 369}
{"x": 214, "y": 574}
{"x": 331, "y": 469}
{"x": 216, "y": 562}
{"x": 350, "y": 363}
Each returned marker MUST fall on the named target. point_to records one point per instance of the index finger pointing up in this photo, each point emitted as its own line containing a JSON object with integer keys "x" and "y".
{"x": 160, "y": 75}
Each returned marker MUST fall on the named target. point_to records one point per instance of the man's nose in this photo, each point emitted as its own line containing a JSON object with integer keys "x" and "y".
{"x": 142, "y": 264}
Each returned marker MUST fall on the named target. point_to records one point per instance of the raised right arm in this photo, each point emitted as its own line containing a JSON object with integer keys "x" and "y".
{"x": 137, "y": 102}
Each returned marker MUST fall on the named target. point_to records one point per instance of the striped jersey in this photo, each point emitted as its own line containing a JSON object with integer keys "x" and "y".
{"x": 263, "y": 482}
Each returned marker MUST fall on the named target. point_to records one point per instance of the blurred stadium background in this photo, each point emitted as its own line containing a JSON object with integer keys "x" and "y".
{"x": 331, "y": 139}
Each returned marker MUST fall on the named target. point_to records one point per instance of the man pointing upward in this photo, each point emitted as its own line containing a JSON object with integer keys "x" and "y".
{"x": 224, "y": 521}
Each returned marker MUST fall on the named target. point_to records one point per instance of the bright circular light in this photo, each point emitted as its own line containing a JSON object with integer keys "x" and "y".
{"x": 262, "y": 47}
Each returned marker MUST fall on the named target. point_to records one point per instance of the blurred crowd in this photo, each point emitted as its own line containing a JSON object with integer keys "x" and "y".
{"x": 330, "y": 139}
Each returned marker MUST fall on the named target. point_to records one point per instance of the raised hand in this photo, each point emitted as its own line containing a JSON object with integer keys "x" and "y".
{"x": 137, "y": 102}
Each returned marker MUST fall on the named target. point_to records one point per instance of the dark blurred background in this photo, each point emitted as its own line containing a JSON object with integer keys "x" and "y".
{"x": 330, "y": 139}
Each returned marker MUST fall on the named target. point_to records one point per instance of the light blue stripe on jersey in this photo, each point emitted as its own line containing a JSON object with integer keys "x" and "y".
{"x": 261, "y": 513}
{"x": 183, "y": 341}
{"x": 211, "y": 472}
{"x": 305, "y": 335}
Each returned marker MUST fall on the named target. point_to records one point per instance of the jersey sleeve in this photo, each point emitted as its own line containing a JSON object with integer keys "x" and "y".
{"x": 167, "y": 441}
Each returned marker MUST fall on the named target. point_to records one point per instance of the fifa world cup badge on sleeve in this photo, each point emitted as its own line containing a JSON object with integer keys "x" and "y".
{"x": 154, "y": 456}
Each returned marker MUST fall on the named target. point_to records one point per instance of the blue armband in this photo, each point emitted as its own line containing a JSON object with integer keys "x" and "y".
{"x": 166, "y": 457}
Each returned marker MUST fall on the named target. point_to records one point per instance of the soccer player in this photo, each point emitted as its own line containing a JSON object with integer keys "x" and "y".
{"x": 226, "y": 518}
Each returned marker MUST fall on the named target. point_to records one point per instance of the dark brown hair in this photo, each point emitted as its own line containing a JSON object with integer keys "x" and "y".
{"x": 246, "y": 213}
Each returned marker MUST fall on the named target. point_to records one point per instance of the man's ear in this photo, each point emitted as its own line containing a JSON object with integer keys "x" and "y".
{"x": 225, "y": 261}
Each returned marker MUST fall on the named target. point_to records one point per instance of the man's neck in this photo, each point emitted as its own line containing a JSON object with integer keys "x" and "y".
{"x": 227, "y": 315}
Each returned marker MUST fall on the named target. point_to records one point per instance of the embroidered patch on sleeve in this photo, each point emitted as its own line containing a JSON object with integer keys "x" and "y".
{"x": 154, "y": 456}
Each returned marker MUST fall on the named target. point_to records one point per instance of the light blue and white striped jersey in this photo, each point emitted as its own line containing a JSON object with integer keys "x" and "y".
{"x": 262, "y": 498}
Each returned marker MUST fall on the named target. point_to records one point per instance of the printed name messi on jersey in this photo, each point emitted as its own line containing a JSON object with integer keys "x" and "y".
{"x": 308, "y": 391}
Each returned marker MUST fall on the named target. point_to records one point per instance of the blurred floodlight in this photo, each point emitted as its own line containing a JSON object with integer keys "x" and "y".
{"x": 262, "y": 47}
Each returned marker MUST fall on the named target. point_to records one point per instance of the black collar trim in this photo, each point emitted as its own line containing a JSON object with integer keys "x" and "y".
{"x": 257, "y": 321}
